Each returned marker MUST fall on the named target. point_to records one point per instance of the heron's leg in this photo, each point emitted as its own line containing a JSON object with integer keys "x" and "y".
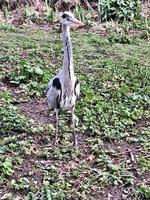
{"x": 57, "y": 123}
{"x": 73, "y": 125}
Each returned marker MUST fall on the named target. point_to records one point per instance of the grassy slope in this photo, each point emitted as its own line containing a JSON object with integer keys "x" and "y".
{"x": 113, "y": 129}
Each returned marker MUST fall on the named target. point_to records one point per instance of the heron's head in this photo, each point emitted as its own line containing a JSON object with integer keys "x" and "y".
{"x": 68, "y": 19}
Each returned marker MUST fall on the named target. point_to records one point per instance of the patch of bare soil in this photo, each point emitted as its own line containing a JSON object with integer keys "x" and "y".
{"x": 44, "y": 27}
{"x": 36, "y": 109}
{"x": 145, "y": 122}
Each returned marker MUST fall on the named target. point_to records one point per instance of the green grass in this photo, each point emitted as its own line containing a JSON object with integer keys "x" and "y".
{"x": 113, "y": 113}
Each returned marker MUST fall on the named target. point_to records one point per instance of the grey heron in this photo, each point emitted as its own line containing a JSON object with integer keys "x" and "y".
{"x": 64, "y": 88}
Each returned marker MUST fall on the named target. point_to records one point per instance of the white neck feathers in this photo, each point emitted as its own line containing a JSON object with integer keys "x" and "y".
{"x": 68, "y": 57}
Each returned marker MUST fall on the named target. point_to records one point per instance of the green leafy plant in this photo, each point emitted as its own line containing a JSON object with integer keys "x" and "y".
{"x": 120, "y": 38}
{"x": 143, "y": 192}
{"x": 25, "y": 73}
{"x": 6, "y": 97}
{"x": 31, "y": 78}
{"x": 11, "y": 119}
{"x": 26, "y": 11}
{"x": 79, "y": 12}
{"x": 118, "y": 10}
{"x": 6, "y": 168}
{"x": 20, "y": 184}
{"x": 144, "y": 163}
{"x": 50, "y": 11}
{"x": 86, "y": 16}
{"x": 46, "y": 192}
{"x": 31, "y": 196}
{"x": 4, "y": 6}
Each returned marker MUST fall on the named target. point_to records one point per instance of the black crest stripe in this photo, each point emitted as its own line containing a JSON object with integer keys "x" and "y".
{"x": 67, "y": 44}
{"x": 65, "y": 16}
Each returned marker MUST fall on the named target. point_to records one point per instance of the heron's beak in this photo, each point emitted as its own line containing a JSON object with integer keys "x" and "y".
{"x": 77, "y": 22}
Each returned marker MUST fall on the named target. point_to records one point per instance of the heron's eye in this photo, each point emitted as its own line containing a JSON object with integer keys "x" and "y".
{"x": 68, "y": 18}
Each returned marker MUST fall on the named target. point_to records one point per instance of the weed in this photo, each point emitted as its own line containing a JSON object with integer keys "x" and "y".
{"x": 144, "y": 163}
{"x": 6, "y": 168}
{"x": 79, "y": 12}
{"x": 49, "y": 11}
{"x": 46, "y": 192}
{"x": 143, "y": 192}
{"x": 11, "y": 119}
{"x": 27, "y": 11}
{"x": 6, "y": 97}
{"x": 84, "y": 15}
{"x": 31, "y": 196}
{"x": 4, "y": 5}
{"x": 120, "y": 38}
{"x": 30, "y": 77}
{"x": 20, "y": 184}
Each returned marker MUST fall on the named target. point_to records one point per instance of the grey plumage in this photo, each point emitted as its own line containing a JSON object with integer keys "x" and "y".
{"x": 64, "y": 88}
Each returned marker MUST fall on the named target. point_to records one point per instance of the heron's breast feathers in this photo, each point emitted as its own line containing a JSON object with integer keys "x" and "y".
{"x": 63, "y": 93}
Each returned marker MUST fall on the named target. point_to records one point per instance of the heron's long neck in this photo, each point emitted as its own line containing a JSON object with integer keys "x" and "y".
{"x": 68, "y": 57}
